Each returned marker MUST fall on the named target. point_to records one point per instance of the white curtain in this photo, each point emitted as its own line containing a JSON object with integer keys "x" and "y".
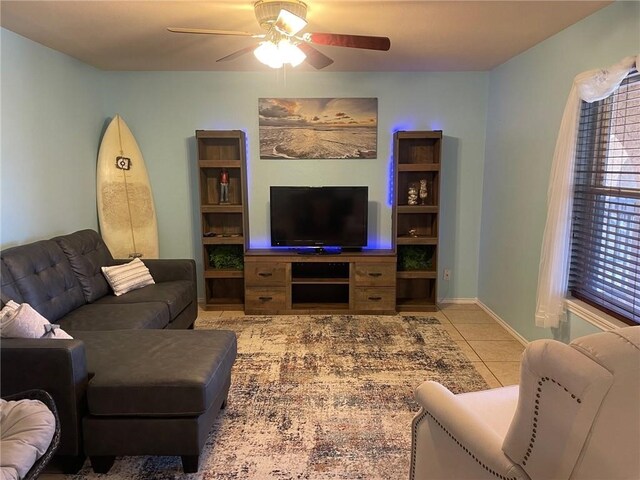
{"x": 553, "y": 272}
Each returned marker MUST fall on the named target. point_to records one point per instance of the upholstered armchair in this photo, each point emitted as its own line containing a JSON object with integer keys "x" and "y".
{"x": 575, "y": 415}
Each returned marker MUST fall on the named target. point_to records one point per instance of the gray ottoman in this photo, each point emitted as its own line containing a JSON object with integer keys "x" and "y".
{"x": 154, "y": 392}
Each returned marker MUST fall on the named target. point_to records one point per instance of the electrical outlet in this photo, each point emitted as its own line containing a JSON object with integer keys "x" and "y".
{"x": 446, "y": 275}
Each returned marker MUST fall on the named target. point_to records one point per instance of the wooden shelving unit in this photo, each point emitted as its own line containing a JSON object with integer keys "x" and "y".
{"x": 417, "y": 157}
{"x": 222, "y": 224}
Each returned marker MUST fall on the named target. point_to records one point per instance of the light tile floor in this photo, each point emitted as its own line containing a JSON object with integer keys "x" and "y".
{"x": 494, "y": 351}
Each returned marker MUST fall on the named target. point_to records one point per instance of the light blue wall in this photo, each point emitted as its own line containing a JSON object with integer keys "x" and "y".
{"x": 51, "y": 125}
{"x": 577, "y": 327}
{"x": 526, "y": 101}
{"x": 55, "y": 108}
{"x": 164, "y": 109}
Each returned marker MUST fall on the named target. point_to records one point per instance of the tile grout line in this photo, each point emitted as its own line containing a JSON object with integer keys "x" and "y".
{"x": 473, "y": 349}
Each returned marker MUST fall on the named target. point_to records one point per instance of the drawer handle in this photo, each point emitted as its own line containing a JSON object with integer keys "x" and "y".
{"x": 375, "y": 274}
{"x": 265, "y": 299}
{"x": 375, "y": 298}
{"x": 265, "y": 274}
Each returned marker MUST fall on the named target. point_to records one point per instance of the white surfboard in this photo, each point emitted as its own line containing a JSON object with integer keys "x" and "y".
{"x": 126, "y": 211}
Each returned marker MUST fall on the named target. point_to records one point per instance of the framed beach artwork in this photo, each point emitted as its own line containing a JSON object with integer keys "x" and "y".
{"x": 318, "y": 128}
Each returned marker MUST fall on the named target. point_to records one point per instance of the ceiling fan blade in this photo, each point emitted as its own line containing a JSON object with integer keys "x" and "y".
{"x": 315, "y": 58}
{"x": 237, "y": 54}
{"x": 351, "y": 41}
{"x": 289, "y": 23}
{"x": 201, "y": 31}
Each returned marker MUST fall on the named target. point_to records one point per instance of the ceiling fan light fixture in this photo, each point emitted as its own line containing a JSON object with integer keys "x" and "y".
{"x": 289, "y": 23}
{"x": 290, "y": 53}
{"x": 276, "y": 55}
{"x": 267, "y": 11}
{"x": 281, "y": 44}
{"x": 267, "y": 53}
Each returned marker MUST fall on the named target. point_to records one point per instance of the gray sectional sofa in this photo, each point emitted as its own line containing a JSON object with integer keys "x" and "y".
{"x": 62, "y": 279}
{"x": 136, "y": 379}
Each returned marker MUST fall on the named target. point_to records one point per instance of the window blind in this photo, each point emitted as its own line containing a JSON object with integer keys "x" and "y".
{"x": 605, "y": 252}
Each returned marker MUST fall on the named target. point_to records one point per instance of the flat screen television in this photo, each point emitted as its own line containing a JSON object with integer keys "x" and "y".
{"x": 319, "y": 216}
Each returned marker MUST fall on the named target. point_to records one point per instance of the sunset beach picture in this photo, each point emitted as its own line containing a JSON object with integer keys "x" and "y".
{"x": 318, "y": 128}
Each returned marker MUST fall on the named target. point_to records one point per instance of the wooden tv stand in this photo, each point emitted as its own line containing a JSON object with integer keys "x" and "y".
{"x": 284, "y": 282}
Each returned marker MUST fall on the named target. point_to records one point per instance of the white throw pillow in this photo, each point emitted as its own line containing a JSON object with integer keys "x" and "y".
{"x": 127, "y": 277}
{"x": 26, "y": 430}
{"x": 25, "y": 322}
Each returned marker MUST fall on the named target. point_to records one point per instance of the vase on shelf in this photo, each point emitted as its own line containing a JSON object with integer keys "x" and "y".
{"x": 412, "y": 198}
{"x": 423, "y": 191}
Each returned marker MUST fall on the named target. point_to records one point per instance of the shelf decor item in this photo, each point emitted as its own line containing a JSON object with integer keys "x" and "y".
{"x": 423, "y": 191}
{"x": 224, "y": 186}
{"x": 412, "y": 194}
{"x": 226, "y": 257}
{"x": 413, "y": 257}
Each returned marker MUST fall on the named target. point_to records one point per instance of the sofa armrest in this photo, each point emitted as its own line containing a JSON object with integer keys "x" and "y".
{"x": 167, "y": 269}
{"x": 57, "y": 366}
{"x": 451, "y": 442}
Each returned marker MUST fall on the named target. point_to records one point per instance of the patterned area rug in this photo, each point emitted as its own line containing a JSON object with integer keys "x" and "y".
{"x": 318, "y": 397}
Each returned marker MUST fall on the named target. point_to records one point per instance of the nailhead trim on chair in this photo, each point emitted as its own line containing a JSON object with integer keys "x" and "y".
{"x": 472, "y": 455}
{"x": 536, "y": 409}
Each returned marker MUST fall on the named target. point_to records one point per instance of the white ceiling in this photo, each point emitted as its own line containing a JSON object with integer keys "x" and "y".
{"x": 425, "y": 35}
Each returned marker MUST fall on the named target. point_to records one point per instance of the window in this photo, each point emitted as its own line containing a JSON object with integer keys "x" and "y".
{"x": 605, "y": 252}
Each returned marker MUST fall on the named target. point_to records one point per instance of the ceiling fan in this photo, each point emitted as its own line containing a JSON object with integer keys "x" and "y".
{"x": 283, "y": 20}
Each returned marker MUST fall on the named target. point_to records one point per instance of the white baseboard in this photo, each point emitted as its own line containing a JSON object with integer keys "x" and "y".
{"x": 507, "y": 327}
{"x": 458, "y": 301}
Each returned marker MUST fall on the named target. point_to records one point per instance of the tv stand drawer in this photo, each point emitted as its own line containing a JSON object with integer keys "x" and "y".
{"x": 375, "y": 274}
{"x": 266, "y": 273}
{"x": 375, "y": 298}
{"x": 265, "y": 299}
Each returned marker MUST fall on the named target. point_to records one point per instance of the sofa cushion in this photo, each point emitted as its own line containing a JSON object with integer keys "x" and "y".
{"x": 97, "y": 316}
{"x": 157, "y": 372}
{"x": 177, "y": 295}
{"x": 87, "y": 252}
{"x": 42, "y": 276}
{"x": 8, "y": 288}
